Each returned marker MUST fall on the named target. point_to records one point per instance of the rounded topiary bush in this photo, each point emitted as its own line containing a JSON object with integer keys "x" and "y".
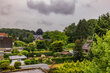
{"x": 17, "y": 64}
{"x": 27, "y": 62}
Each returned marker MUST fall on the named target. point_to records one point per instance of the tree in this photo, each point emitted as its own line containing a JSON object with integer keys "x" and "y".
{"x": 103, "y": 24}
{"x": 57, "y": 46}
{"x": 70, "y": 31}
{"x": 47, "y": 34}
{"x": 30, "y": 38}
{"x": 17, "y": 64}
{"x": 82, "y": 30}
{"x": 39, "y": 31}
{"x": 78, "y": 49}
{"x": 21, "y": 37}
{"x": 40, "y": 44}
{"x": 30, "y": 47}
{"x": 91, "y": 23}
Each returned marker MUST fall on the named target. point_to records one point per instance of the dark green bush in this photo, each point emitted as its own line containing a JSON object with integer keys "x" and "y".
{"x": 4, "y": 61}
{"x": 11, "y": 68}
{"x": 17, "y": 64}
{"x": 39, "y": 53}
{"x": 4, "y": 66}
{"x": 63, "y": 59}
{"x": 6, "y": 55}
{"x": 27, "y": 62}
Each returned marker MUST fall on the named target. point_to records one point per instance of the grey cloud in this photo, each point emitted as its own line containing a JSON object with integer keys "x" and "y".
{"x": 6, "y": 10}
{"x": 44, "y": 22}
{"x": 92, "y": 2}
{"x": 56, "y": 6}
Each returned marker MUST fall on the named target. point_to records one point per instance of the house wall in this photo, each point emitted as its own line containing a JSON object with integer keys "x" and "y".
{"x": 6, "y": 42}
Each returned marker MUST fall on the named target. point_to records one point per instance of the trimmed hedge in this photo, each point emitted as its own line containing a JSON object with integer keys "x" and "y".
{"x": 4, "y": 61}
{"x": 57, "y": 60}
{"x": 39, "y": 53}
{"x": 63, "y": 59}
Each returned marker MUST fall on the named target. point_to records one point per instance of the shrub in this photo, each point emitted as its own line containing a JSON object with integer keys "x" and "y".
{"x": 33, "y": 61}
{"x": 27, "y": 62}
{"x": 70, "y": 46}
{"x": 15, "y": 51}
{"x": 4, "y": 61}
{"x": 57, "y": 46}
{"x": 24, "y": 52}
{"x": 6, "y": 55}
{"x": 57, "y": 54}
{"x": 63, "y": 59}
{"x": 19, "y": 44}
{"x": 17, "y": 64}
{"x": 4, "y": 66}
{"x": 40, "y": 44}
{"x": 39, "y": 53}
{"x": 11, "y": 68}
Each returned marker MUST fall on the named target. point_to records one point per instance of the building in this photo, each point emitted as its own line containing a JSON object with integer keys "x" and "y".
{"x": 38, "y": 37}
{"x": 86, "y": 46}
{"x": 6, "y": 44}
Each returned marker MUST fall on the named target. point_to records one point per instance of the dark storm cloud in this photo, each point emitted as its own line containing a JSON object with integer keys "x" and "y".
{"x": 56, "y": 6}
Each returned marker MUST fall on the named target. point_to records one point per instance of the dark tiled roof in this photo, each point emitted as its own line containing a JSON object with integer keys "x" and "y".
{"x": 43, "y": 66}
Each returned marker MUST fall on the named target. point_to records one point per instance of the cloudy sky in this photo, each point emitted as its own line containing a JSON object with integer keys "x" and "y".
{"x": 49, "y": 14}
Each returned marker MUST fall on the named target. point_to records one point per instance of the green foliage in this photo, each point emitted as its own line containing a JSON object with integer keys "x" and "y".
{"x": 41, "y": 44}
{"x": 57, "y": 54}
{"x": 27, "y": 62}
{"x": 57, "y": 46}
{"x": 4, "y": 61}
{"x": 78, "y": 49}
{"x": 30, "y": 47}
{"x": 39, "y": 53}
{"x": 91, "y": 23}
{"x": 15, "y": 33}
{"x": 30, "y": 38}
{"x": 70, "y": 31}
{"x": 70, "y": 68}
{"x": 11, "y": 68}
{"x": 55, "y": 36}
{"x": 6, "y": 55}
{"x": 103, "y": 24}
{"x": 47, "y": 35}
{"x": 4, "y": 66}
{"x": 82, "y": 30}
{"x": 58, "y": 60}
{"x": 15, "y": 51}
{"x": 24, "y": 52}
{"x": 17, "y": 64}
{"x": 70, "y": 46}
{"x": 19, "y": 44}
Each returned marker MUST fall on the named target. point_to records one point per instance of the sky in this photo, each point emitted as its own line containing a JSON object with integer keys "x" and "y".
{"x": 49, "y": 14}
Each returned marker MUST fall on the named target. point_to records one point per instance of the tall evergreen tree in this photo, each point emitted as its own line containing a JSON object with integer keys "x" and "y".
{"x": 70, "y": 31}
{"x": 82, "y": 30}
